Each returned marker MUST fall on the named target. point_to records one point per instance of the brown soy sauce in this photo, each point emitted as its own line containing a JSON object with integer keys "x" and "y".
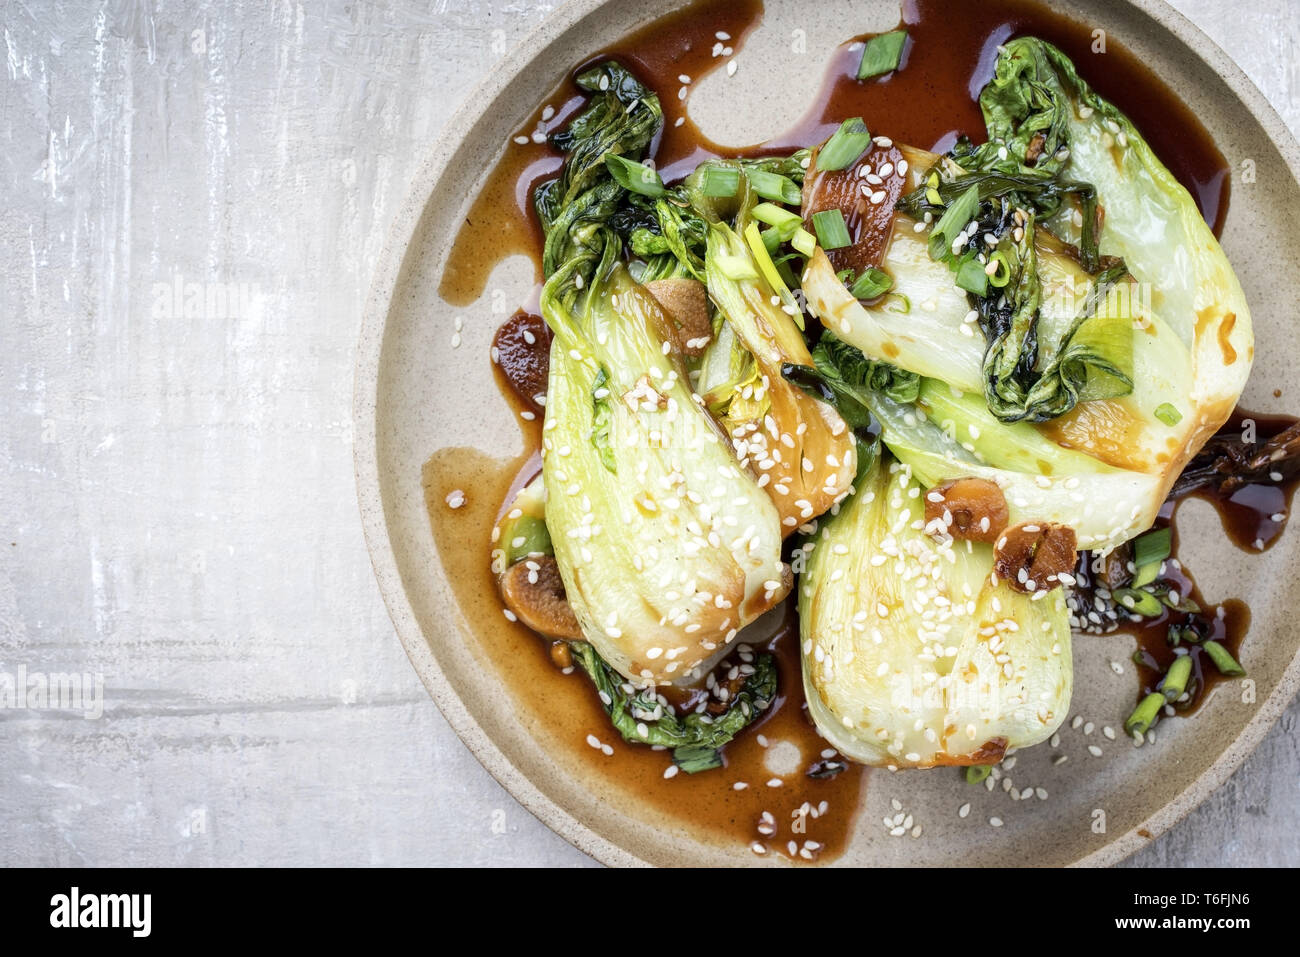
{"x": 929, "y": 102}
{"x": 1254, "y": 514}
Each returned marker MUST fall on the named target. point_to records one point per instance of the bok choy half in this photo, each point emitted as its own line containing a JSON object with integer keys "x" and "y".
{"x": 666, "y": 545}
{"x": 1062, "y": 334}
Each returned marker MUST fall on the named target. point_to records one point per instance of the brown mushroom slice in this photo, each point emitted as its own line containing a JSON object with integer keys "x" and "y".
{"x": 534, "y": 591}
{"x": 686, "y": 301}
{"x": 1032, "y": 557}
{"x": 971, "y": 508}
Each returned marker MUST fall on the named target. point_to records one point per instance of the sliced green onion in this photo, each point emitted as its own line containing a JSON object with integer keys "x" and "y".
{"x": 831, "y": 231}
{"x": 636, "y": 177}
{"x": 871, "y": 284}
{"x": 882, "y": 54}
{"x": 528, "y": 536}
{"x": 972, "y": 277}
{"x": 844, "y": 148}
{"x": 1169, "y": 415}
{"x": 1139, "y": 601}
{"x": 1144, "y": 714}
{"x": 904, "y": 303}
{"x": 1223, "y": 659}
{"x": 975, "y": 773}
{"x": 774, "y": 186}
{"x": 1153, "y": 547}
{"x": 1146, "y": 574}
{"x": 771, "y": 239}
{"x": 782, "y": 220}
{"x": 1003, "y": 274}
{"x": 1175, "y": 682}
{"x": 765, "y": 265}
{"x": 953, "y": 221}
{"x": 720, "y": 181}
{"x": 736, "y": 268}
{"x": 804, "y": 241}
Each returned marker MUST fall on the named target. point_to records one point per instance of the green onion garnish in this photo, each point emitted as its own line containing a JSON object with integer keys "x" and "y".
{"x": 1175, "y": 682}
{"x": 972, "y": 277}
{"x": 843, "y": 149}
{"x": 1169, "y": 415}
{"x": 1144, "y": 714}
{"x": 1003, "y": 274}
{"x": 1146, "y": 574}
{"x": 975, "y": 773}
{"x": 882, "y": 54}
{"x": 871, "y": 284}
{"x": 1153, "y": 547}
{"x": 898, "y": 303}
{"x": 720, "y": 181}
{"x": 831, "y": 231}
{"x": 1223, "y": 659}
{"x": 1139, "y": 602}
{"x": 636, "y": 177}
{"x": 774, "y": 186}
{"x": 782, "y": 220}
{"x": 804, "y": 241}
{"x": 953, "y": 221}
{"x": 763, "y": 258}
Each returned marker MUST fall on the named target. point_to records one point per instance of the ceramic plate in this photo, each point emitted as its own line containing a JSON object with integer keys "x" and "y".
{"x": 418, "y": 397}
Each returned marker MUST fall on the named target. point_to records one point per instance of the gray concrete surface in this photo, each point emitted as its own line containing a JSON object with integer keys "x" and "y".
{"x": 177, "y": 508}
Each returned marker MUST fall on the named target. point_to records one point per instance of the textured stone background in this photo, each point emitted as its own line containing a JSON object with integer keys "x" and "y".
{"x": 177, "y": 506}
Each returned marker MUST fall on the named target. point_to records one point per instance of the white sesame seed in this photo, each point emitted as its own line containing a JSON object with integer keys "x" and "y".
{"x": 995, "y": 821}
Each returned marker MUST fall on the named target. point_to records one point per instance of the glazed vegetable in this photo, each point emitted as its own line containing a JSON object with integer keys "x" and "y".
{"x": 912, "y": 656}
{"x": 666, "y": 545}
{"x": 802, "y": 452}
{"x": 1092, "y": 349}
{"x": 642, "y": 717}
{"x": 1154, "y": 225}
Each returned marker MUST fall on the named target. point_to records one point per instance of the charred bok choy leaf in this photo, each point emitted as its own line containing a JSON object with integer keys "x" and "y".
{"x": 666, "y": 545}
{"x": 1039, "y": 109}
{"x": 642, "y": 717}
{"x": 1112, "y": 361}
{"x": 802, "y": 450}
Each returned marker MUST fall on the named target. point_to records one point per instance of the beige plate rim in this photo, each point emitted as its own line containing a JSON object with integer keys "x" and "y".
{"x": 371, "y": 503}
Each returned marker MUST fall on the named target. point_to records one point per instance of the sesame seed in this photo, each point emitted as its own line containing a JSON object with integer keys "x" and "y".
{"x": 670, "y": 771}
{"x": 1094, "y": 750}
{"x": 963, "y": 810}
{"x": 995, "y": 821}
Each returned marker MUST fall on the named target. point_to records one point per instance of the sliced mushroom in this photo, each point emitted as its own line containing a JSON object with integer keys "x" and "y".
{"x": 972, "y": 508}
{"x": 1035, "y": 149}
{"x": 534, "y": 591}
{"x": 687, "y": 303}
{"x": 1033, "y": 557}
